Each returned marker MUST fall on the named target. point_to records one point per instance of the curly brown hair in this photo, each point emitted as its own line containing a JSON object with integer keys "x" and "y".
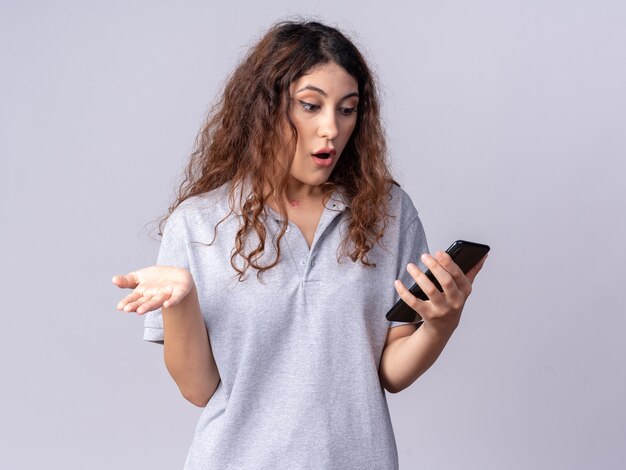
{"x": 244, "y": 126}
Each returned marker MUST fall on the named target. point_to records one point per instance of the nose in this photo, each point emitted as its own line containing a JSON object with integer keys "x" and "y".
{"x": 328, "y": 125}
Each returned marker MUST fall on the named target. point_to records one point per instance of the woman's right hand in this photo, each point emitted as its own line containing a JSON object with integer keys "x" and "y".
{"x": 154, "y": 286}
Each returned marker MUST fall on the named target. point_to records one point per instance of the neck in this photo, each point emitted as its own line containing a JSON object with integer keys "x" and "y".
{"x": 302, "y": 191}
{"x": 300, "y": 195}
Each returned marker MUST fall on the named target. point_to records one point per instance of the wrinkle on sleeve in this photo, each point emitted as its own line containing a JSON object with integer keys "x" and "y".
{"x": 172, "y": 252}
{"x": 412, "y": 244}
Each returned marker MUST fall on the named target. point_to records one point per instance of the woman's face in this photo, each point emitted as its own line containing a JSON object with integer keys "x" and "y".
{"x": 323, "y": 110}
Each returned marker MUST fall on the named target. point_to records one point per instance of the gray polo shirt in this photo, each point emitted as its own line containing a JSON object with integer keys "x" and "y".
{"x": 298, "y": 352}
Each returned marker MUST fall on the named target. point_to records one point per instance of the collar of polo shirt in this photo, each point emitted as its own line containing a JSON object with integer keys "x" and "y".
{"x": 338, "y": 200}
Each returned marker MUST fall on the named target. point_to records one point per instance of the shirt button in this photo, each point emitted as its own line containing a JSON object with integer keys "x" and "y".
{"x": 303, "y": 263}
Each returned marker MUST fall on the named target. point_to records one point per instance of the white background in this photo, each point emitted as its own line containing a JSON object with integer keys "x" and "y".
{"x": 506, "y": 122}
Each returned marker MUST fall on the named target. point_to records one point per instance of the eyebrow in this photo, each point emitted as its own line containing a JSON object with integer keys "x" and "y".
{"x": 323, "y": 93}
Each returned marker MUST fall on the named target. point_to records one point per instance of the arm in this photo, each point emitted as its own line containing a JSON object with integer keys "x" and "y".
{"x": 408, "y": 352}
{"x": 407, "y": 356}
{"x": 187, "y": 351}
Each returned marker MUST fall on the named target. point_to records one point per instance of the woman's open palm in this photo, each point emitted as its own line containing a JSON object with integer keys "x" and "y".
{"x": 154, "y": 286}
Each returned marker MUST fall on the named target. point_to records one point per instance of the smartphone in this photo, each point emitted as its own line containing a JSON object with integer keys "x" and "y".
{"x": 465, "y": 254}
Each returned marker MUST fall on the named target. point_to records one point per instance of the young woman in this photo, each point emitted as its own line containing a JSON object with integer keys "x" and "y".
{"x": 289, "y": 182}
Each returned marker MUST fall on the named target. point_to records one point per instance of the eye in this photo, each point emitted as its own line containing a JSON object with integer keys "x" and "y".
{"x": 308, "y": 106}
{"x": 348, "y": 111}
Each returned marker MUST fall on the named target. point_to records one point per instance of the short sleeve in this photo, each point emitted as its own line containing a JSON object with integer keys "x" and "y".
{"x": 172, "y": 252}
{"x": 412, "y": 245}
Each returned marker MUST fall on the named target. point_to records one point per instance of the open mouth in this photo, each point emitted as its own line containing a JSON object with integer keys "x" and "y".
{"x": 323, "y": 159}
{"x": 322, "y": 155}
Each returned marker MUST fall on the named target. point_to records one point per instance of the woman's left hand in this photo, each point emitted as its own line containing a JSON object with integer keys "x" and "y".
{"x": 442, "y": 312}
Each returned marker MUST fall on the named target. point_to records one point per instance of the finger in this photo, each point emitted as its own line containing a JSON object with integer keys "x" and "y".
{"x": 472, "y": 273}
{"x": 444, "y": 278}
{"x": 135, "y": 300}
{"x": 176, "y": 297}
{"x": 162, "y": 296}
{"x": 134, "y": 305}
{"x": 129, "y": 280}
{"x": 152, "y": 304}
{"x": 461, "y": 280}
{"x": 128, "y": 299}
{"x": 420, "y": 306}
{"x": 424, "y": 282}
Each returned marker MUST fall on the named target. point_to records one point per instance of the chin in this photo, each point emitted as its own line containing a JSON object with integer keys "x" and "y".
{"x": 320, "y": 179}
{"x": 315, "y": 179}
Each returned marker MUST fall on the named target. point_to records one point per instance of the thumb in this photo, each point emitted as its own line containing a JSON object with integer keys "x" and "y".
{"x": 129, "y": 281}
